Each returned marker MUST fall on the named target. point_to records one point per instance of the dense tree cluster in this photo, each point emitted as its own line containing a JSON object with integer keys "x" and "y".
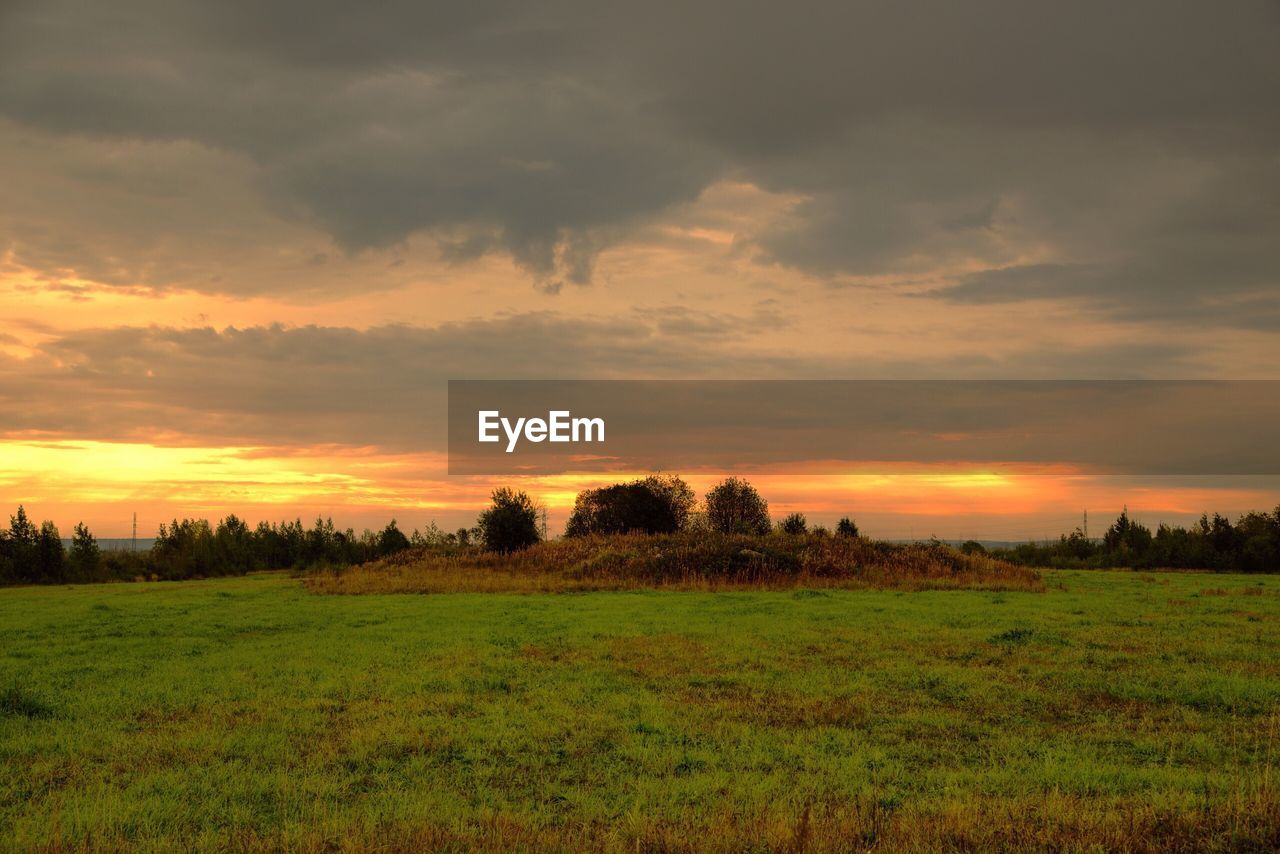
{"x": 191, "y": 548}
{"x": 1251, "y": 544}
{"x": 659, "y": 504}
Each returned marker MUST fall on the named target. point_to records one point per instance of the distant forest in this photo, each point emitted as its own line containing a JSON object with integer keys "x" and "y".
{"x": 1251, "y": 544}
{"x": 194, "y": 548}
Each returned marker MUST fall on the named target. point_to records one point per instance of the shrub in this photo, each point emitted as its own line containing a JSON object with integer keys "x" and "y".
{"x": 511, "y": 523}
{"x": 734, "y": 507}
{"x": 795, "y": 523}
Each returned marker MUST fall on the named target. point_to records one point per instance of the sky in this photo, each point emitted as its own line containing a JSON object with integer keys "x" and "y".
{"x": 243, "y": 246}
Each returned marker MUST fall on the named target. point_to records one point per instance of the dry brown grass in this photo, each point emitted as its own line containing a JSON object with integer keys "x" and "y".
{"x": 682, "y": 562}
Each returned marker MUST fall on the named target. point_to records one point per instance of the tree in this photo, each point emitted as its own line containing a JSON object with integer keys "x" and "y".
{"x": 85, "y": 557}
{"x": 1076, "y": 544}
{"x": 846, "y": 528}
{"x": 8, "y": 572}
{"x": 391, "y": 540}
{"x": 677, "y": 495}
{"x": 652, "y": 505}
{"x": 51, "y": 558}
{"x": 734, "y": 507}
{"x": 510, "y": 523}
{"x": 22, "y": 546}
{"x": 186, "y": 549}
{"x": 1129, "y": 537}
{"x": 795, "y": 523}
{"x": 322, "y": 543}
{"x": 234, "y": 544}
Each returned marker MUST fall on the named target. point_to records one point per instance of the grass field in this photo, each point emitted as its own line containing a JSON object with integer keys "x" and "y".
{"x": 1113, "y": 710}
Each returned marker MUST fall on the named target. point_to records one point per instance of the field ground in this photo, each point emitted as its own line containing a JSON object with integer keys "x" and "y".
{"x": 1114, "y": 710}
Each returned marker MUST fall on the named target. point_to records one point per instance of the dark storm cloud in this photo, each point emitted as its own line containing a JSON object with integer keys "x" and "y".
{"x": 1133, "y": 144}
{"x": 491, "y": 149}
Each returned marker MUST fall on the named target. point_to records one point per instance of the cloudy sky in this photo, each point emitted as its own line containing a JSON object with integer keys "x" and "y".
{"x": 242, "y": 245}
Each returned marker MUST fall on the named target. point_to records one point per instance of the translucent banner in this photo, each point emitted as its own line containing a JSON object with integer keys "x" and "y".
{"x": 1172, "y": 427}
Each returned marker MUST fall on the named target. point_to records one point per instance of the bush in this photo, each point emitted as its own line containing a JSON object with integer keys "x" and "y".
{"x": 511, "y": 524}
{"x": 654, "y": 505}
{"x": 846, "y": 528}
{"x": 795, "y": 523}
{"x": 734, "y": 507}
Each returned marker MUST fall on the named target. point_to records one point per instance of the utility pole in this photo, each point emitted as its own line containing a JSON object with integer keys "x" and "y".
{"x": 1086, "y": 523}
{"x": 544, "y": 522}
{"x": 135, "y": 530}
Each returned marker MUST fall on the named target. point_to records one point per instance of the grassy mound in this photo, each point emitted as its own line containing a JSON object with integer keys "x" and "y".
{"x": 682, "y": 561}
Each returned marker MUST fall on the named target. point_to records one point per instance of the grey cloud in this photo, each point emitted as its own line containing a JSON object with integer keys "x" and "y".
{"x": 1135, "y": 141}
{"x": 313, "y": 385}
{"x": 385, "y": 386}
{"x": 1206, "y": 254}
{"x": 542, "y": 165}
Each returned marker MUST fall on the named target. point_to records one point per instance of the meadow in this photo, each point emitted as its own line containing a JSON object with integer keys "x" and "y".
{"x": 1110, "y": 710}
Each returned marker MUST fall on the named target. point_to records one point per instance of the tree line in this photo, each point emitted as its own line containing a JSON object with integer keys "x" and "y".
{"x": 1250, "y": 544}
{"x": 663, "y": 504}
{"x": 193, "y": 548}
{"x": 658, "y": 504}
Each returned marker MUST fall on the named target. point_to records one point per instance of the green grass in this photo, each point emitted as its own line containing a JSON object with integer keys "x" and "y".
{"x": 1113, "y": 710}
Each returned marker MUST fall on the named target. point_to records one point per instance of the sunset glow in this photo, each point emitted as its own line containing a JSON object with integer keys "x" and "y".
{"x": 196, "y": 320}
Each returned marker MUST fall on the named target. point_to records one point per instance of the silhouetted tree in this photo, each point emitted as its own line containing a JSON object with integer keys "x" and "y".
{"x": 235, "y": 552}
{"x": 795, "y": 523}
{"x": 511, "y": 523}
{"x": 391, "y": 540}
{"x": 846, "y": 528}
{"x": 1127, "y": 536}
{"x": 51, "y": 558}
{"x": 8, "y": 571}
{"x": 734, "y": 507}
{"x": 652, "y": 505}
{"x": 22, "y": 544}
{"x": 1077, "y": 544}
{"x": 85, "y": 557}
